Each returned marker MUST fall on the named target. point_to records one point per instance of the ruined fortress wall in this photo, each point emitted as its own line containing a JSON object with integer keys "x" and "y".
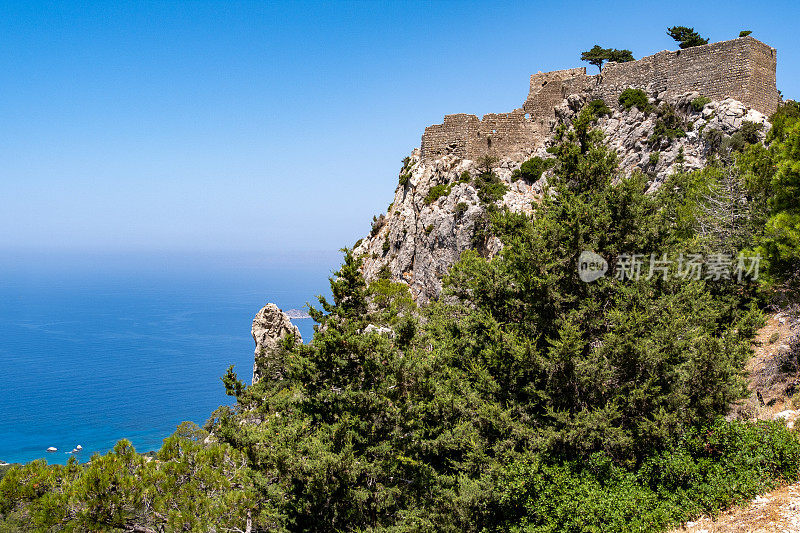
{"x": 742, "y": 68}
{"x": 453, "y": 136}
{"x": 511, "y": 134}
{"x": 762, "y": 93}
{"x": 548, "y": 89}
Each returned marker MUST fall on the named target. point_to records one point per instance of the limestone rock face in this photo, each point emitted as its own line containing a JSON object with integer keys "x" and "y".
{"x": 418, "y": 240}
{"x": 270, "y": 327}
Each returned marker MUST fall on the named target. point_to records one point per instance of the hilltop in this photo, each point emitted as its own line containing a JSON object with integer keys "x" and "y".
{"x": 692, "y": 104}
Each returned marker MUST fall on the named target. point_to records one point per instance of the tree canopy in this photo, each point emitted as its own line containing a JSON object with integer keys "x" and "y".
{"x": 686, "y": 37}
{"x": 599, "y": 55}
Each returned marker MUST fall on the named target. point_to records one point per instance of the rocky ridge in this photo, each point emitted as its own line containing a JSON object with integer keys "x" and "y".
{"x": 417, "y": 240}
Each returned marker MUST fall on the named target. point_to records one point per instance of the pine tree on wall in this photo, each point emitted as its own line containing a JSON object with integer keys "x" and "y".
{"x": 598, "y": 55}
{"x": 686, "y": 37}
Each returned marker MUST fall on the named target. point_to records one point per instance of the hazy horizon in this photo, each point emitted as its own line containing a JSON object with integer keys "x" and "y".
{"x": 206, "y": 127}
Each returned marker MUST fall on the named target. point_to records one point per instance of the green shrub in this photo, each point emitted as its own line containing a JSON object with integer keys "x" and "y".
{"x": 654, "y": 157}
{"x": 5, "y": 468}
{"x": 599, "y": 108}
{"x": 486, "y": 163}
{"x": 669, "y": 125}
{"x": 714, "y": 139}
{"x": 532, "y": 169}
{"x": 749, "y": 131}
{"x": 465, "y": 177}
{"x": 436, "y": 192}
{"x": 723, "y": 145}
{"x": 680, "y": 159}
{"x": 384, "y": 273}
{"x": 377, "y": 223}
{"x": 461, "y": 208}
{"x": 787, "y": 114}
{"x": 635, "y": 98}
{"x": 490, "y": 188}
{"x": 386, "y": 245}
{"x": 404, "y": 179}
{"x": 428, "y": 229}
{"x": 699, "y": 103}
{"x": 744, "y": 33}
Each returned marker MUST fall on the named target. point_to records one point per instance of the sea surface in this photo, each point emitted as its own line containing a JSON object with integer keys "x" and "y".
{"x": 99, "y": 347}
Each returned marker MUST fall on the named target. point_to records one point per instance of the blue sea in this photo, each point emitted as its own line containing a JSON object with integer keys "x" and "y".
{"x": 99, "y": 347}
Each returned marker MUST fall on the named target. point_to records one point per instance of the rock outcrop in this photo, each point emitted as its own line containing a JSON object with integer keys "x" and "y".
{"x": 420, "y": 237}
{"x": 270, "y": 327}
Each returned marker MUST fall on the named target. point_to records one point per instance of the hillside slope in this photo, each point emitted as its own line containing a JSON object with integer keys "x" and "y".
{"x": 773, "y": 372}
{"x": 437, "y": 212}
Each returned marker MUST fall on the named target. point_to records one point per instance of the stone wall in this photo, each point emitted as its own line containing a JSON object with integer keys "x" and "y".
{"x": 511, "y": 134}
{"x": 743, "y": 69}
{"x": 548, "y": 89}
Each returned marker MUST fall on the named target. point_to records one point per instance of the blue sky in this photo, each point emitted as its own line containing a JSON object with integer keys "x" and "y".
{"x": 234, "y": 126}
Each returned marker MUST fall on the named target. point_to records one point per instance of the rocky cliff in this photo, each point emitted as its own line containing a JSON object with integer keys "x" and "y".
{"x": 437, "y": 212}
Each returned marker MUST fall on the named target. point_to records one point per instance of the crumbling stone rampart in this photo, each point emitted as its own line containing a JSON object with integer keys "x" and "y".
{"x": 743, "y": 69}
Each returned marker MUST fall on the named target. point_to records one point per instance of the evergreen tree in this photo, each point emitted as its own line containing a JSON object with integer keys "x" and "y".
{"x": 686, "y": 37}
{"x": 598, "y": 55}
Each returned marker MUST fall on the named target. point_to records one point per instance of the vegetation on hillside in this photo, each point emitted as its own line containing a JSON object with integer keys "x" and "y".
{"x": 525, "y": 400}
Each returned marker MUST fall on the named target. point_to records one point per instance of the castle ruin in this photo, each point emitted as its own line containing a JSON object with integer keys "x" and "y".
{"x": 742, "y": 69}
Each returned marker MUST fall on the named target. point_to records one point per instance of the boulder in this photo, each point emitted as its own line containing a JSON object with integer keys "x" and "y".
{"x": 789, "y": 416}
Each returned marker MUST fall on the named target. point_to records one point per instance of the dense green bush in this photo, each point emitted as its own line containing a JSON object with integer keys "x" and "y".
{"x": 531, "y": 170}
{"x": 669, "y": 126}
{"x": 436, "y": 192}
{"x": 192, "y": 487}
{"x": 4, "y": 469}
{"x": 699, "y": 103}
{"x": 711, "y": 468}
{"x": 635, "y": 97}
{"x": 787, "y": 114}
{"x": 599, "y": 108}
{"x": 490, "y": 188}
